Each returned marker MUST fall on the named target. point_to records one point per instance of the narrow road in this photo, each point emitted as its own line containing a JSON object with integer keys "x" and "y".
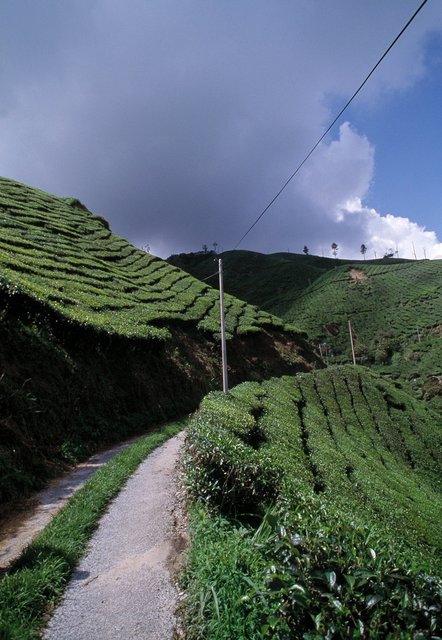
{"x": 18, "y": 530}
{"x": 122, "y": 589}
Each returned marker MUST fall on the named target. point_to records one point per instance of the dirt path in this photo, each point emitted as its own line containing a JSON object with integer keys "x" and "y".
{"x": 17, "y": 531}
{"x": 122, "y": 589}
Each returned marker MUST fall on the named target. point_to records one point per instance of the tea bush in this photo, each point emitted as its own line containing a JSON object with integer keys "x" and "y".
{"x": 55, "y": 252}
{"x": 348, "y": 467}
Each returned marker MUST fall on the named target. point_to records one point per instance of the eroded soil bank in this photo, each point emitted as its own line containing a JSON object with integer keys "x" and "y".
{"x": 67, "y": 391}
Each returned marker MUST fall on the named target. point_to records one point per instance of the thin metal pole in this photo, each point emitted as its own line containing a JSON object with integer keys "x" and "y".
{"x": 351, "y": 341}
{"x": 223, "y": 328}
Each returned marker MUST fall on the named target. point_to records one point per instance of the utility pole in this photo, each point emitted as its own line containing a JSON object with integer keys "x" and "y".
{"x": 223, "y": 328}
{"x": 351, "y": 342}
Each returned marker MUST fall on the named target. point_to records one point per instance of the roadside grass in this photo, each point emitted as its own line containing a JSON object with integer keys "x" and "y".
{"x": 223, "y": 565}
{"x": 34, "y": 583}
{"x": 317, "y": 501}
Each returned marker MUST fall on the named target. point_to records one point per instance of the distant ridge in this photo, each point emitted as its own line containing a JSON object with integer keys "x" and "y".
{"x": 395, "y": 307}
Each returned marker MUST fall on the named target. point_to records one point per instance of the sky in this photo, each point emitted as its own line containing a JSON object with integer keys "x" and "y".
{"x": 179, "y": 120}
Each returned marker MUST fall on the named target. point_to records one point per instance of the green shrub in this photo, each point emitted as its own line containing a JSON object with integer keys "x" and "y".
{"x": 223, "y": 468}
{"x": 351, "y": 538}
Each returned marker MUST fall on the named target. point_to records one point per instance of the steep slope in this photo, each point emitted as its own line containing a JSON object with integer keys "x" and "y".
{"x": 56, "y": 252}
{"x": 100, "y": 340}
{"x": 346, "y": 470}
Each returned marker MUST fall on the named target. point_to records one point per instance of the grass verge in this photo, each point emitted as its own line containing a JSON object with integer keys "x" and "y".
{"x": 35, "y": 582}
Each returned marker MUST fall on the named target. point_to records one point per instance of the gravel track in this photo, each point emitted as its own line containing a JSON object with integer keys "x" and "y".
{"x": 18, "y": 530}
{"x": 122, "y": 589}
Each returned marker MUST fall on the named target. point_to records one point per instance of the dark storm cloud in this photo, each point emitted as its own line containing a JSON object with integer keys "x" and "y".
{"x": 178, "y": 121}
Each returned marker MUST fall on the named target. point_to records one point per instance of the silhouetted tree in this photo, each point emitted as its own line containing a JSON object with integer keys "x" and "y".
{"x": 205, "y": 248}
{"x": 334, "y": 248}
{"x": 305, "y": 250}
{"x": 215, "y": 246}
{"x": 363, "y": 250}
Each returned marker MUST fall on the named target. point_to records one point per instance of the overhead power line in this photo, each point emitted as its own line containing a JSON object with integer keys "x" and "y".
{"x": 332, "y": 124}
{"x": 211, "y": 276}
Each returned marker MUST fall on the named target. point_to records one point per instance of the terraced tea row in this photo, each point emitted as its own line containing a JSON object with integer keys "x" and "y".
{"x": 271, "y": 281}
{"x": 317, "y": 502}
{"x": 399, "y": 299}
{"x": 342, "y": 433}
{"x": 55, "y": 251}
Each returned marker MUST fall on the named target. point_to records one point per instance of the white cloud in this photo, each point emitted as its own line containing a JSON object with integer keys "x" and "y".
{"x": 389, "y": 232}
{"x": 333, "y": 186}
{"x": 338, "y": 172}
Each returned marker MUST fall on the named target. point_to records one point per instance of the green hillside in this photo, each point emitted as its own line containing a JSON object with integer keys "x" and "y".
{"x": 350, "y": 468}
{"x": 395, "y": 307}
{"x": 395, "y": 312}
{"x": 100, "y": 340}
{"x": 267, "y": 280}
{"x": 58, "y": 253}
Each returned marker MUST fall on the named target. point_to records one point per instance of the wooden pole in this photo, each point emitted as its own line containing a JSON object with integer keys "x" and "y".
{"x": 351, "y": 342}
{"x": 223, "y": 328}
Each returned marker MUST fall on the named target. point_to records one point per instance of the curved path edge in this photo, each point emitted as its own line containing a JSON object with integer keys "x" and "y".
{"x": 122, "y": 587}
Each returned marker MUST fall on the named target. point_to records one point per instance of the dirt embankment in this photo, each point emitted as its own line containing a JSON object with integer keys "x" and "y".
{"x": 66, "y": 390}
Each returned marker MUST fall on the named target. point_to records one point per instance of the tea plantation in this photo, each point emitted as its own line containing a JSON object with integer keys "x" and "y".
{"x": 100, "y": 340}
{"x": 271, "y": 281}
{"x": 395, "y": 307}
{"x": 59, "y": 254}
{"x": 315, "y": 496}
{"x": 401, "y": 301}
{"x": 395, "y": 311}
{"x": 317, "y": 510}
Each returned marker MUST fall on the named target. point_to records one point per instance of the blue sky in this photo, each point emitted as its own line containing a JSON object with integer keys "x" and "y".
{"x": 178, "y": 120}
{"x": 407, "y": 134}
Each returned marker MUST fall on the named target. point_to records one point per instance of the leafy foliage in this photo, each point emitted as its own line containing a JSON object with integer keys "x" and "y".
{"x": 351, "y": 537}
{"x": 57, "y": 253}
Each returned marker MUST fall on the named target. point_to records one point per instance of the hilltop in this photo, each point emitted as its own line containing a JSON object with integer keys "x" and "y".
{"x": 267, "y": 280}
{"x": 395, "y": 307}
{"x": 100, "y": 340}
